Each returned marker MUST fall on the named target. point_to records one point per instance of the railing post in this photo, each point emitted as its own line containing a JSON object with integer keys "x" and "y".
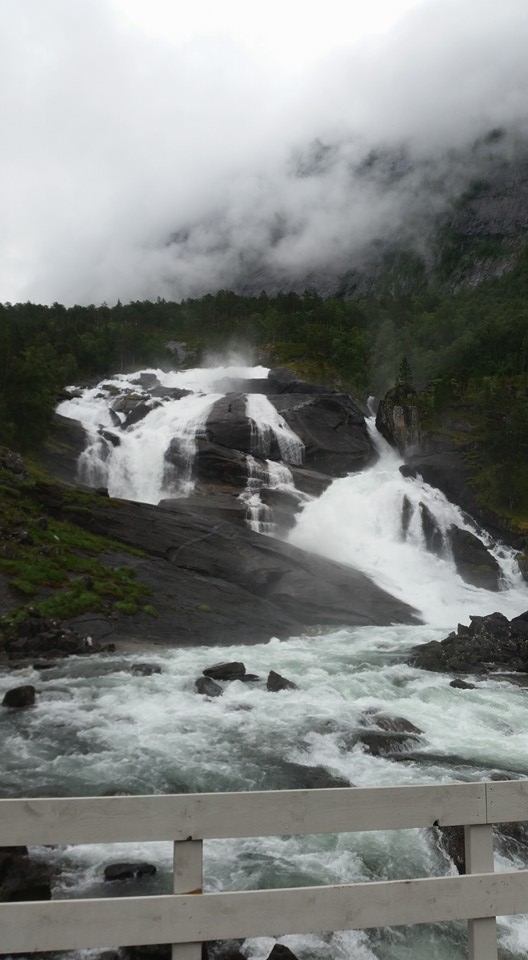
{"x": 187, "y": 878}
{"x": 482, "y": 933}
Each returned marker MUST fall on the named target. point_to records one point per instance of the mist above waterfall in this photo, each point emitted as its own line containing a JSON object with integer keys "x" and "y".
{"x": 134, "y": 166}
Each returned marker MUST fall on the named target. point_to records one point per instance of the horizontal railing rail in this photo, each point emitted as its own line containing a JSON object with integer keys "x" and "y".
{"x": 185, "y": 919}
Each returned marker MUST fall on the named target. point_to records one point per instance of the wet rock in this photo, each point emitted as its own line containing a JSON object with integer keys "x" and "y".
{"x": 474, "y": 562}
{"x": 47, "y": 639}
{"x": 391, "y": 724}
{"x": 145, "y": 669}
{"x": 332, "y": 428}
{"x": 19, "y": 697}
{"x": 434, "y": 540}
{"x": 387, "y": 743}
{"x": 406, "y": 514}
{"x": 286, "y": 775}
{"x": 157, "y": 951}
{"x": 450, "y": 840}
{"x": 275, "y": 682}
{"x": 146, "y": 380}
{"x": 22, "y": 878}
{"x": 214, "y": 462}
{"x": 234, "y": 670}
{"x": 461, "y": 685}
{"x": 398, "y": 422}
{"x": 129, "y": 871}
{"x": 490, "y": 644}
{"x": 281, "y": 952}
{"x": 208, "y": 687}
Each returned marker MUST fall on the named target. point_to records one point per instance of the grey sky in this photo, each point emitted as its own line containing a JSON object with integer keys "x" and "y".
{"x": 164, "y": 156}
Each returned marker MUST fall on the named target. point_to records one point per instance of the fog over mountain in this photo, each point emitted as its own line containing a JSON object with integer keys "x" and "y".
{"x": 131, "y": 168}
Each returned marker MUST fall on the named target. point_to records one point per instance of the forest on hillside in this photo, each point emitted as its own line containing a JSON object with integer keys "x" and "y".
{"x": 466, "y": 350}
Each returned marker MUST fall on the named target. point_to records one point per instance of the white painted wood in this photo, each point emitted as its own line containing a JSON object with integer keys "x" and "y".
{"x": 64, "y": 925}
{"x": 221, "y": 815}
{"x": 188, "y": 878}
{"x": 507, "y": 800}
{"x": 482, "y": 932}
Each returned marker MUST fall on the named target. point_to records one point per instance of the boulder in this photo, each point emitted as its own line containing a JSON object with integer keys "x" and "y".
{"x": 19, "y": 697}
{"x": 215, "y": 462}
{"x": 275, "y": 682}
{"x": 208, "y": 687}
{"x": 461, "y": 685}
{"x": 233, "y": 670}
{"x": 129, "y": 871}
{"x": 474, "y": 562}
{"x": 147, "y": 381}
{"x": 386, "y": 743}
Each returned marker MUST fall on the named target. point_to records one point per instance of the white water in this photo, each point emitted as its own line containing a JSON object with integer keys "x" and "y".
{"x": 96, "y": 728}
{"x": 136, "y": 468}
{"x": 274, "y": 476}
{"x": 269, "y": 425}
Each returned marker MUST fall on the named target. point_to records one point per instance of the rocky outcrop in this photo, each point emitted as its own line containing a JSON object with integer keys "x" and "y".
{"x": 36, "y": 637}
{"x": 275, "y": 682}
{"x": 488, "y": 645}
{"x": 474, "y": 562}
{"x": 332, "y": 428}
{"x": 398, "y": 421}
{"x": 215, "y": 582}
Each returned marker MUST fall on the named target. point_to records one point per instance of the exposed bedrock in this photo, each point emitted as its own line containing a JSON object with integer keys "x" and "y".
{"x": 488, "y": 645}
{"x": 474, "y": 562}
{"x": 214, "y": 581}
{"x": 332, "y": 428}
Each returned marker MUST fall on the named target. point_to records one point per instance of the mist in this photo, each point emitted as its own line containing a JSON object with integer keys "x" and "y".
{"x": 131, "y": 169}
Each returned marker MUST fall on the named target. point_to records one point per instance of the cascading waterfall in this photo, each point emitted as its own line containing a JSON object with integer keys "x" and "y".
{"x": 271, "y": 475}
{"x": 268, "y": 426}
{"x": 84, "y": 736}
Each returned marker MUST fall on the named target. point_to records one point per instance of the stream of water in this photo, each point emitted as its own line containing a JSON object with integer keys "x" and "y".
{"x": 96, "y": 728}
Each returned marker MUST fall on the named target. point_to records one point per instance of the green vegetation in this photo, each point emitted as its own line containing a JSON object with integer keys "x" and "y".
{"x": 56, "y": 568}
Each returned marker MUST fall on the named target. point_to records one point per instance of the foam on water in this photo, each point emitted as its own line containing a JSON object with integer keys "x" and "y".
{"x": 97, "y": 728}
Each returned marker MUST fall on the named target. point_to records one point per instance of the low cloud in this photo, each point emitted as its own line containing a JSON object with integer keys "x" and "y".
{"x": 130, "y": 169}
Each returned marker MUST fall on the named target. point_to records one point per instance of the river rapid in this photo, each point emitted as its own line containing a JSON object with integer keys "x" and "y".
{"x": 98, "y": 729}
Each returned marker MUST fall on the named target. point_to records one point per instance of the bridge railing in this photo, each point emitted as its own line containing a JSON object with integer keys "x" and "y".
{"x": 187, "y": 917}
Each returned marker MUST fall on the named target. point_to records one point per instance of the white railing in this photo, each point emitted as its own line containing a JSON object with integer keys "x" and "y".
{"x": 185, "y": 919}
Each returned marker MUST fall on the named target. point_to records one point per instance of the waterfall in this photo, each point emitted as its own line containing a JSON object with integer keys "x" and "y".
{"x": 268, "y": 426}
{"x": 373, "y": 521}
{"x": 86, "y": 735}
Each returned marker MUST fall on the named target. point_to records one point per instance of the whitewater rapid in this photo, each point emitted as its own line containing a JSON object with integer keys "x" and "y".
{"x": 96, "y": 728}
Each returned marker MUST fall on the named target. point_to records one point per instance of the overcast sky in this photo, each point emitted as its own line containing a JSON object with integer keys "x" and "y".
{"x": 160, "y": 147}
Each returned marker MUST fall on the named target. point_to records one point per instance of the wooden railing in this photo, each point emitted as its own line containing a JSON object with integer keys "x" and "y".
{"x": 185, "y": 919}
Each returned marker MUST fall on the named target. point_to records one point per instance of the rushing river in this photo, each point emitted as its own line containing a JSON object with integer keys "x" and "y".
{"x": 97, "y": 729}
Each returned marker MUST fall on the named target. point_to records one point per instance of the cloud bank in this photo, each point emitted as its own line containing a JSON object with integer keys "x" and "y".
{"x": 133, "y": 169}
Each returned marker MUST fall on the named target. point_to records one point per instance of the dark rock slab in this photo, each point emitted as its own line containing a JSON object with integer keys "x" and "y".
{"x": 281, "y": 952}
{"x": 461, "y": 685}
{"x": 332, "y": 428}
{"x": 474, "y": 562}
{"x": 214, "y": 462}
